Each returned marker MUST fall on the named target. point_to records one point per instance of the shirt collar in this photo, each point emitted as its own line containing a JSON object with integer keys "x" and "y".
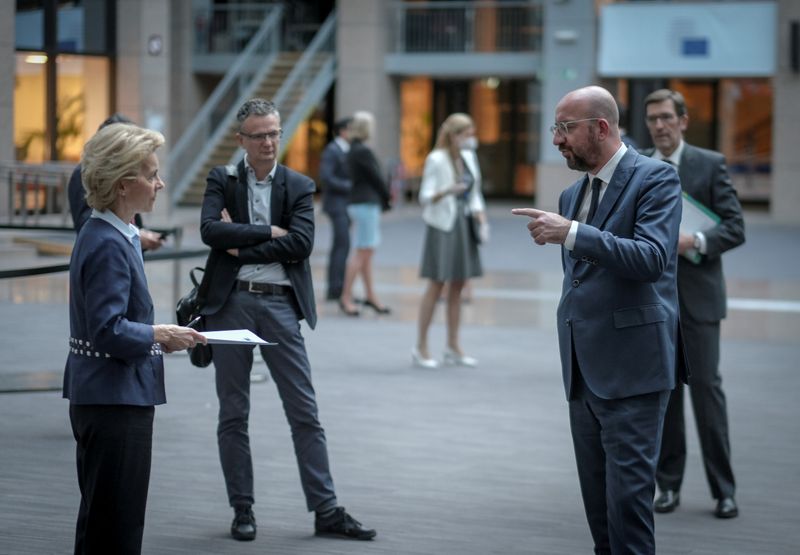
{"x": 344, "y": 145}
{"x": 675, "y": 157}
{"x": 251, "y": 173}
{"x": 129, "y": 231}
{"x": 607, "y": 171}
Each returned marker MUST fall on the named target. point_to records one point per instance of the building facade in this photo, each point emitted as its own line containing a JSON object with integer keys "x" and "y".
{"x": 412, "y": 63}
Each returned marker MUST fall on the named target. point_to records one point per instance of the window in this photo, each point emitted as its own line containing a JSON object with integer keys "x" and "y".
{"x": 60, "y": 95}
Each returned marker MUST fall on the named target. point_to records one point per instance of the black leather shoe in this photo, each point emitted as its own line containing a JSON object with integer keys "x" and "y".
{"x": 354, "y": 312}
{"x": 667, "y": 502}
{"x": 342, "y": 525}
{"x": 726, "y": 508}
{"x": 243, "y": 527}
{"x": 377, "y": 308}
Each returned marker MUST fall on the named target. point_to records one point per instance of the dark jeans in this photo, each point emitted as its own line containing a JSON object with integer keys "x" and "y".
{"x": 340, "y": 248}
{"x": 114, "y": 446}
{"x": 275, "y": 318}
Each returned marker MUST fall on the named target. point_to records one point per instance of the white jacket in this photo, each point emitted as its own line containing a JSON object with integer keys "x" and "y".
{"x": 439, "y": 175}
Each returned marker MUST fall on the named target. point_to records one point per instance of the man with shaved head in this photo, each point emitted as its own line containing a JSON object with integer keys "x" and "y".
{"x": 618, "y": 315}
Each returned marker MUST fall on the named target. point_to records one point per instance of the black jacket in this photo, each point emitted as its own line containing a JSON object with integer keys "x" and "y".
{"x": 292, "y": 208}
{"x": 369, "y": 185}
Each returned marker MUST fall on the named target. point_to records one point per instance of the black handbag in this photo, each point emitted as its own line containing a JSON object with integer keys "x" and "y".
{"x": 474, "y": 228}
{"x": 187, "y": 309}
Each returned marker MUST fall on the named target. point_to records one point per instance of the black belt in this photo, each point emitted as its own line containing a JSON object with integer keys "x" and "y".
{"x": 263, "y": 288}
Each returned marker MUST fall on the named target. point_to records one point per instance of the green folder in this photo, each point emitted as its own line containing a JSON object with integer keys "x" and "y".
{"x": 696, "y": 217}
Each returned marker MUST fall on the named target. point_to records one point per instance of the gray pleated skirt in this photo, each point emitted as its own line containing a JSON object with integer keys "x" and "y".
{"x": 451, "y": 255}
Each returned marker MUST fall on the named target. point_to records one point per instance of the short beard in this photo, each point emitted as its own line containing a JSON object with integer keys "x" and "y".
{"x": 589, "y": 159}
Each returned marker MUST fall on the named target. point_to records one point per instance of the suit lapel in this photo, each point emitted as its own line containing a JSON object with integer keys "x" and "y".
{"x": 686, "y": 167}
{"x": 575, "y": 204}
{"x": 241, "y": 196}
{"x": 619, "y": 180}
{"x": 277, "y": 195}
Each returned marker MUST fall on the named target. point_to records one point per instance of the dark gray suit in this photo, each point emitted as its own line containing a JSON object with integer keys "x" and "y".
{"x": 336, "y": 185}
{"x": 701, "y": 289}
{"x": 274, "y": 315}
{"x": 618, "y": 331}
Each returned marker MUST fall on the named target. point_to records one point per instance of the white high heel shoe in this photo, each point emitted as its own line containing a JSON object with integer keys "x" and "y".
{"x": 420, "y": 361}
{"x": 452, "y": 358}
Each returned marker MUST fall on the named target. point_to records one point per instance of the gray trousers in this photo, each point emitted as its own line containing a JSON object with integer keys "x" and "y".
{"x": 275, "y": 318}
{"x": 340, "y": 248}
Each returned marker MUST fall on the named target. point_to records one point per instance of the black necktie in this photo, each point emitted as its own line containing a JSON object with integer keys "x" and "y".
{"x": 596, "y": 184}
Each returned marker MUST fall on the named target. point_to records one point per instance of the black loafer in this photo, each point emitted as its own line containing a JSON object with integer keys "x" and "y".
{"x": 342, "y": 525}
{"x": 377, "y": 308}
{"x": 243, "y": 527}
{"x": 726, "y": 508}
{"x": 667, "y": 502}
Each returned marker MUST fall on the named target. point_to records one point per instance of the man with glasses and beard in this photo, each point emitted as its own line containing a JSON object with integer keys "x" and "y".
{"x": 618, "y": 315}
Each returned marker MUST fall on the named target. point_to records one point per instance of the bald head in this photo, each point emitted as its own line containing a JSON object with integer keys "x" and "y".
{"x": 591, "y": 136}
{"x": 596, "y": 103}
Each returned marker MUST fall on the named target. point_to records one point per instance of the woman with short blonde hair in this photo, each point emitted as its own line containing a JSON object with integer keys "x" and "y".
{"x": 114, "y": 153}
{"x": 369, "y": 196}
{"x": 362, "y": 126}
{"x": 114, "y": 375}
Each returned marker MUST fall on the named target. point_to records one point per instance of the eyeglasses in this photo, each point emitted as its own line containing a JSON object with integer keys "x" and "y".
{"x": 666, "y": 118}
{"x": 562, "y": 127}
{"x": 261, "y": 137}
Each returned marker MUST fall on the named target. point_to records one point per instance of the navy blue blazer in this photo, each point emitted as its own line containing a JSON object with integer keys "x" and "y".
{"x": 291, "y": 207}
{"x": 335, "y": 178}
{"x": 112, "y": 359}
{"x": 619, "y": 306}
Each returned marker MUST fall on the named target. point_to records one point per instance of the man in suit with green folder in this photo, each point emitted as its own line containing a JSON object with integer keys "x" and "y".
{"x": 701, "y": 293}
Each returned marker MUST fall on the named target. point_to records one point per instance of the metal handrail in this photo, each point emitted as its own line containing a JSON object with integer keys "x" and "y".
{"x": 323, "y": 41}
{"x": 240, "y": 76}
{"x": 208, "y": 28}
{"x": 457, "y": 27}
{"x": 23, "y": 182}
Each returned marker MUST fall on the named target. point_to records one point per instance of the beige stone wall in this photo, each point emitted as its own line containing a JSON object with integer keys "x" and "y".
{"x": 362, "y": 83}
{"x": 565, "y": 66}
{"x": 186, "y": 93}
{"x": 143, "y": 78}
{"x": 785, "y": 202}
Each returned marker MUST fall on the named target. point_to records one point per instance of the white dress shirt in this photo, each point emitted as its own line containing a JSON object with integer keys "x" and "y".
{"x": 605, "y": 174}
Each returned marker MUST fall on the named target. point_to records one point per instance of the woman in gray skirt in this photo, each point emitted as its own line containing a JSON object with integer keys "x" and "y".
{"x": 450, "y": 194}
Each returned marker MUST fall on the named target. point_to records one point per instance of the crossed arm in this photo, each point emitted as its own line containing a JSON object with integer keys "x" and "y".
{"x": 255, "y": 244}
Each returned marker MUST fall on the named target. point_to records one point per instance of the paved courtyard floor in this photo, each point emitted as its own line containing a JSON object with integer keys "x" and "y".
{"x": 447, "y": 461}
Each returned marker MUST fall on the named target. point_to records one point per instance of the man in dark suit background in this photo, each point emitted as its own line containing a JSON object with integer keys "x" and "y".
{"x": 618, "y": 315}
{"x": 701, "y": 289}
{"x": 258, "y": 219}
{"x": 336, "y": 185}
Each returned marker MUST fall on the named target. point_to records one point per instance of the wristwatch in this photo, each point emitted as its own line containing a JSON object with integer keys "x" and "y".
{"x": 697, "y": 241}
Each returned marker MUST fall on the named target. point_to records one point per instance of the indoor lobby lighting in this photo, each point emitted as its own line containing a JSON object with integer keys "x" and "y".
{"x": 36, "y": 59}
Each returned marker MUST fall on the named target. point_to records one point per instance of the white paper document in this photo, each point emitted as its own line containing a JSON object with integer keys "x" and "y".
{"x": 234, "y": 337}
